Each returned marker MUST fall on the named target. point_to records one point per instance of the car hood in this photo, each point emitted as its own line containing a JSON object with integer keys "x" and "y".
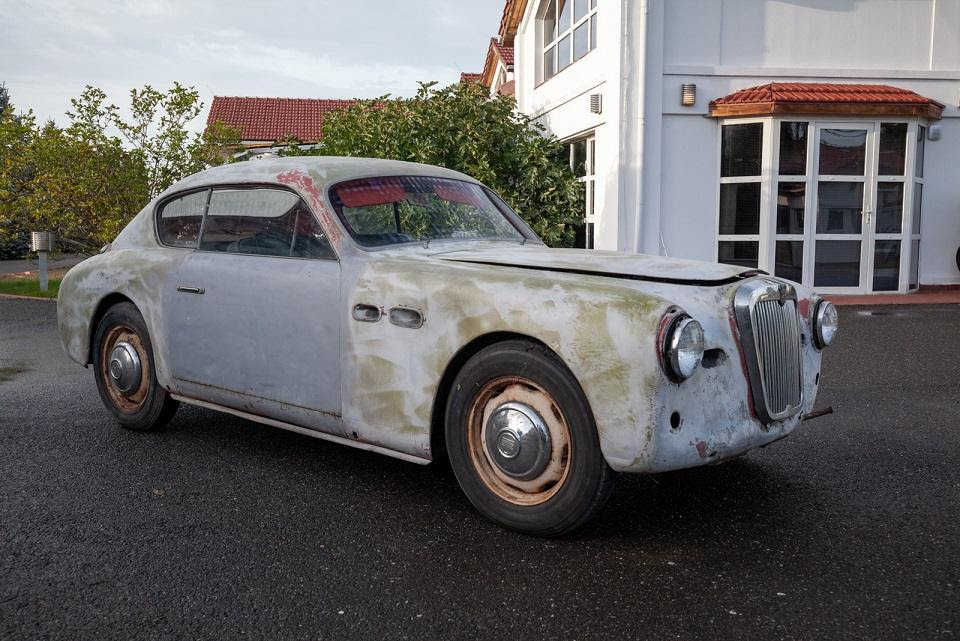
{"x": 601, "y": 263}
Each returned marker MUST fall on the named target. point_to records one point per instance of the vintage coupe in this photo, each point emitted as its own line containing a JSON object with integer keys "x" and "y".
{"x": 407, "y": 310}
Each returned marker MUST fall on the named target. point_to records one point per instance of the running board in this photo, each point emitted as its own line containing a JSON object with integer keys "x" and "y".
{"x": 303, "y": 430}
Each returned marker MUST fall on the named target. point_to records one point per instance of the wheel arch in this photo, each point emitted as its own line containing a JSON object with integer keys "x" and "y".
{"x": 105, "y": 304}
{"x": 438, "y": 448}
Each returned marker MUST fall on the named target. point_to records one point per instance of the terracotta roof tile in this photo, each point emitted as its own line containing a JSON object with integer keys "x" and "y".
{"x": 270, "y": 119}
{"x": 496, "y": 50}
{"x": 471, "y": 77}
{"x": 825, "y": 99}
{"x": 823, "y": 92}
{"x": 504, "y": 51}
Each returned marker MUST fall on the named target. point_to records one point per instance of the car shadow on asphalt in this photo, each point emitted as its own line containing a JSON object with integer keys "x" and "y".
{"x": 738, "y": 498}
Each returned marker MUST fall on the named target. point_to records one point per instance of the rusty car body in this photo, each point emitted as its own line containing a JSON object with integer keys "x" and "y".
{"x": 364, "y": 345}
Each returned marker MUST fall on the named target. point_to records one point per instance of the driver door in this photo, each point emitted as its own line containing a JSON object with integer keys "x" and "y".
{"x": 253, "y": 318}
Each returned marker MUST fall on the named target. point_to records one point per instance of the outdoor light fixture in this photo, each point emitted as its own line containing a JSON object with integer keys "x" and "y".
{"x": 934, "y": 132}
{"x": 41, "y": 242}
{"x": 688, "y": 94}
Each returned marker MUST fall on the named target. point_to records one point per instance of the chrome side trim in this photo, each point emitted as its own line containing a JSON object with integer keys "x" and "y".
{"x": 770, "y": 337}
{"x": 303, "y": 430}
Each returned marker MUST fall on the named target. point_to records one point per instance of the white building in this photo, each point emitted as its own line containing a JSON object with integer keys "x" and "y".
{"x": 848, "y": 188}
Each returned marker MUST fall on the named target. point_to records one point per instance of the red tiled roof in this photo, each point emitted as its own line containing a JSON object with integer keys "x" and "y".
{"x": 821, "y": 97}
{"x": 270, "y": 119}
{"x": 470, "y": 77}
{"x": 496, "y": 50}
{"x": 512, "y": 11}
{"x": 504, "y": 51}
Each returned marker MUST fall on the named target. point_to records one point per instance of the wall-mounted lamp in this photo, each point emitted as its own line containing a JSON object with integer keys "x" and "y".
{"x": 934, "y": 132}
{"x": 688, "y": 94}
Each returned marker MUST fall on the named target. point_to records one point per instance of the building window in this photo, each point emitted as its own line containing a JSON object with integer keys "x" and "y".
{"x": 568, "y": 31}
{"x": 583, "y": 163}
{"x": 741, "y": 177}
{"x": 835, "y": 205}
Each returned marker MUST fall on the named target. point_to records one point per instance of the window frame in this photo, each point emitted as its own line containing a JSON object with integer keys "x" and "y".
{"x": 763, "y": 232}
{"x": 543, "y": 44}
{"x": 588, "y": 179}
{"x": 770, "y": 179}
{"x": 236, "y": 186}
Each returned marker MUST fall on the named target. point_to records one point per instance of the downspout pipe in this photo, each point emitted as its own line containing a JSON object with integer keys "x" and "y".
{"x": 641, "y": 114}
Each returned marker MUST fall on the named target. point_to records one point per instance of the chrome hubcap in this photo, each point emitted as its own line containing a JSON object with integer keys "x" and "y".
{"x": 518, "y": 441}
{"x": 124, "y": 368}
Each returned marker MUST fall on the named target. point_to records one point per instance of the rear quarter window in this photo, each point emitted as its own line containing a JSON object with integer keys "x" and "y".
{"x": 179, "y": 221}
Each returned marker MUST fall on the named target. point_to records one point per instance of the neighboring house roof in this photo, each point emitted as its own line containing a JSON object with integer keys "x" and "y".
{"x": 510, "y": 20}
{"x": 470, "y": 77}
{"x": 504, "y": 51}
{"x": 270, "y": 119}
{"x": 497, "y": 51}
{"x": 825, "y": 98}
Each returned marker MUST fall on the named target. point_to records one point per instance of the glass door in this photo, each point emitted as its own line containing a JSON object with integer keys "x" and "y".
{"x": 892, "y": 193}
{"x": 843, "y": 178}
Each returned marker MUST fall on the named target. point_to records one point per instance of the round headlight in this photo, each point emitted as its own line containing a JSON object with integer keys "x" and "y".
{"x": 825, "y": 324}
{"x": 684, "y": 348}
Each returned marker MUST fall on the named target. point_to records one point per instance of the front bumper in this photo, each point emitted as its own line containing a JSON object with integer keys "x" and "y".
{"x": 712, "y": 417}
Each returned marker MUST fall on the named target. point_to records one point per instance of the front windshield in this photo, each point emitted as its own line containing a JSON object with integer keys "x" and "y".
{"x": 403, "y": 209}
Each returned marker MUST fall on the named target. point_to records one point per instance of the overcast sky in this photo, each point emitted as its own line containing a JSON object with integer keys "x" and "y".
{"x": 310, "y": 49}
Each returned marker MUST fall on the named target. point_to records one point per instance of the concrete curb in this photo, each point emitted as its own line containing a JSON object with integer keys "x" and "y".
{"x": 18, "y": 297}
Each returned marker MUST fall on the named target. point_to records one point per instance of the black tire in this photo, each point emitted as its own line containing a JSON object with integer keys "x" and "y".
{"x": 501, "y": 373}
{"x": 149, "y": 406}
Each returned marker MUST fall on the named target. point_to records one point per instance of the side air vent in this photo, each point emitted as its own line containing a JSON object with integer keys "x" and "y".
{"x": 596, "y": 103}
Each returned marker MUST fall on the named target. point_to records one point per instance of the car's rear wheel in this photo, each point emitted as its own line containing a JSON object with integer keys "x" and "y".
{"x": 522, "y": 440}
{"x": 125, "y": 373}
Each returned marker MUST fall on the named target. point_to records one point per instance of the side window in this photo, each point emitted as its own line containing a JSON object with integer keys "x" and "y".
{"x": 180, "y": 218}
{"x": 265, "y": 222}
{"x": 309, "y": 241}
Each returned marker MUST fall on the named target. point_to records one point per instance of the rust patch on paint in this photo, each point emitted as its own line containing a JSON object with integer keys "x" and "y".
{"x": 701, "y": 448}
{"x": 306, "y": 184}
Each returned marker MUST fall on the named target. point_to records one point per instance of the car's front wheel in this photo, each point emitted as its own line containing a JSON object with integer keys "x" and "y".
{"x": 125, "y": 373}
{"x": 522, "y": 440}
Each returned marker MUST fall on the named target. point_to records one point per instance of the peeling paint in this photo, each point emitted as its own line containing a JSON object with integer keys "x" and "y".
{"x": 604, "y": 328}
{"x": 315, "y": 197}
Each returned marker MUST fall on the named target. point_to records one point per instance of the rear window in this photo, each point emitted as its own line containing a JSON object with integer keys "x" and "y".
{"x": 402, "y": 209}
{"x": 180, "y": 219}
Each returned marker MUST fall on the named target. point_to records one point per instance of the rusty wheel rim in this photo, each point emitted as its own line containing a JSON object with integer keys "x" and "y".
{"x": 132, "y": 402}
{"x": 509, "y": 392}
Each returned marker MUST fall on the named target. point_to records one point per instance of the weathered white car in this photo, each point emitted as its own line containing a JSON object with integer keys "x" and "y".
{"x": 405, "y": 309}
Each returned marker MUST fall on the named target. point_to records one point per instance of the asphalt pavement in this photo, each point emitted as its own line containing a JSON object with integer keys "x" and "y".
{"x": 219, "y": 528}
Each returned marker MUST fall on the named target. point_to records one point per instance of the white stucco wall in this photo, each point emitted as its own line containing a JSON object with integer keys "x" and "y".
{"x": 724, "y": 46}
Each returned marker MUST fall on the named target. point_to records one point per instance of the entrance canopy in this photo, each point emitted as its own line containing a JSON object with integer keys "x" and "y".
{"x": 825, "y": 99}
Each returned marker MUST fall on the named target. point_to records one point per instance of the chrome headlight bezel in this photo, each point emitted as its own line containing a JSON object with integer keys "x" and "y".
{"x": 682, "y": 348}
{"x": 825, "y": 324}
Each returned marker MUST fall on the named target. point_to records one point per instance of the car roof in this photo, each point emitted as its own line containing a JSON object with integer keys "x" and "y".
{"x": 324, "y": 171}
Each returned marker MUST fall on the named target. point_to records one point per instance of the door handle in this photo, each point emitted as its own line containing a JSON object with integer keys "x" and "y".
{"x": 866, "y": 216}
{"x": 190, "y": 290}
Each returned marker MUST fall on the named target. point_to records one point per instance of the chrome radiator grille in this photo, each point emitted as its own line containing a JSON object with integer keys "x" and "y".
{"x": 770, "y": 336}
